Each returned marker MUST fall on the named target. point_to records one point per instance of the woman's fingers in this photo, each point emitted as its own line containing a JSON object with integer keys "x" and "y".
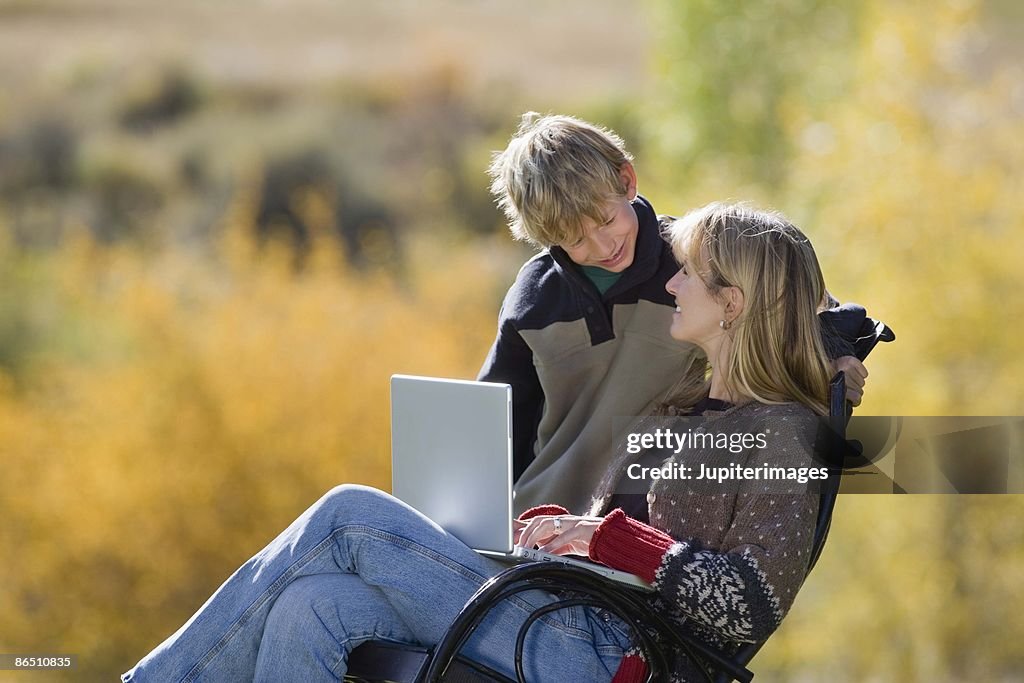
{"x": 537, "y": 531}
{"x": 541, "y": 529}
{"x": 558, "y": 532}
{"x": 575, "y": 540}
{"x": 518, "y": 525}
{"x": 561, "y": 545}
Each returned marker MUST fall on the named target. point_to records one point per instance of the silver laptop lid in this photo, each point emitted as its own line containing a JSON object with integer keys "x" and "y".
{"x": 451, "y": 456}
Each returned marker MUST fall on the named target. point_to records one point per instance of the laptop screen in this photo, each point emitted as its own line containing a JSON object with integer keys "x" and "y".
{"x": 451, "y": 456}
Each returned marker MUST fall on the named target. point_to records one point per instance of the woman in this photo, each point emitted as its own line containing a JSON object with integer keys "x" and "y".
{"x": 361, "y": 565}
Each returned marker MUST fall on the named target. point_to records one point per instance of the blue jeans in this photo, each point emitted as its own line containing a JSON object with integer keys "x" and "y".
{"x": 361, "y": 565}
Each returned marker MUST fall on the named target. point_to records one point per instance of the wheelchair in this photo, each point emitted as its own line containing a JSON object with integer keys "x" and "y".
{"x": 382, "y": 661}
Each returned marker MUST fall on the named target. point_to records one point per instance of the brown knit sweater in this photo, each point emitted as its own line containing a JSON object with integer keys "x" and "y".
{"x": 726, "y": 566}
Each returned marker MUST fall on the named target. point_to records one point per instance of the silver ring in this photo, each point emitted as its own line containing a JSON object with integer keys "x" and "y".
{"x": 557, "y": 521}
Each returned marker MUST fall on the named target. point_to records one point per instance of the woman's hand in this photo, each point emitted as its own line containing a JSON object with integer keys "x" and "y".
{"x": 558, "y": 534}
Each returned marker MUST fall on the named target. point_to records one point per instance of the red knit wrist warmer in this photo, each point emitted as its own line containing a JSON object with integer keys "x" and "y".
{"x": 543, "y": 510}
{"x": 632, "y": 669}
{"x": 621, "y": 542}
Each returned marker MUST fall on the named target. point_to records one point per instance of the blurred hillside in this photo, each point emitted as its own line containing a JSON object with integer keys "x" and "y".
{"x": 569, "y": 50}
{"x": 224, "y": 225}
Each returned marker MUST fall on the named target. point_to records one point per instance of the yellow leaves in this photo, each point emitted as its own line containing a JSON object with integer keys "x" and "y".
{"x": 914, "y": 211}
{"x": 206, "y": 404}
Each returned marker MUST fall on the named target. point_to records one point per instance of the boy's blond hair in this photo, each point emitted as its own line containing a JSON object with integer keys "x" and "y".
{"x": 556, "y": 172}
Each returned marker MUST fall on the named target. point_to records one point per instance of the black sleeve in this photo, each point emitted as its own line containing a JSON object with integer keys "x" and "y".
{"x": 841, "y": 327}
{"x": 510, "y": 361}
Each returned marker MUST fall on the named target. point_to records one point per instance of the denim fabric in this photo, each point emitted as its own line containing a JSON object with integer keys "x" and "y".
{"x": 361, "y": 565}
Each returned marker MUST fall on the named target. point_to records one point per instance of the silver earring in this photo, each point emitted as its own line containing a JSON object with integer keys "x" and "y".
{"x": 724, "y": 324}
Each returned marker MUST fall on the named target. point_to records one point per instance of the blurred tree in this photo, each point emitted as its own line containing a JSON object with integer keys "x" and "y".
{"x": 160, "y": 99}
{"x": 727, "y": 71}
{"x": 912, "y": 184}
{"x": 303, "y": 194}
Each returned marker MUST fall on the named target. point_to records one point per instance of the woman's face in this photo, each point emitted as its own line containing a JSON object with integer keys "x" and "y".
{"x": 698, "y": 313}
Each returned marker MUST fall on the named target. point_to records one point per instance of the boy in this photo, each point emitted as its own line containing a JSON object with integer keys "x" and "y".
{"x": 583, "y": 332}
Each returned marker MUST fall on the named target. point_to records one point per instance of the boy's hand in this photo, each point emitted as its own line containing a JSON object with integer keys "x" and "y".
{"x": 559, "y": 534}
{"x": 856, "y": 376}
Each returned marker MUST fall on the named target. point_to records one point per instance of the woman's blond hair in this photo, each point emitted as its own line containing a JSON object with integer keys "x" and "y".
{"x": 556, "y": 172}
{"x": 777, "y": 351}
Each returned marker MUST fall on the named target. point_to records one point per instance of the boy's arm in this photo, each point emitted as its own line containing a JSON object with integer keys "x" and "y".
{"x": 840, "y": 325}
{"x": 510, "y": 361}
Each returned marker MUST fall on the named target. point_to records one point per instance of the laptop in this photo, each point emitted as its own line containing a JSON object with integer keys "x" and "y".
{"x": 451, "y": 459}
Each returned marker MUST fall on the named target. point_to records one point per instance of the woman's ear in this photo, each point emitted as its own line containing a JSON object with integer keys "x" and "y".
{"x": 734, "y": 301}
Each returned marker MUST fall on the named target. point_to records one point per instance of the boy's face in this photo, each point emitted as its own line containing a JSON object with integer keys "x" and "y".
{"x": 610, "y": 244}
